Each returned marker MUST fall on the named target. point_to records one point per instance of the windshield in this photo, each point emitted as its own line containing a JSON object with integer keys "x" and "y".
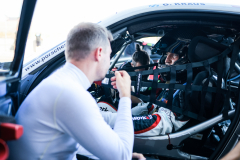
{"x": 146, "y": 44}
{"x": 10, "y": 11}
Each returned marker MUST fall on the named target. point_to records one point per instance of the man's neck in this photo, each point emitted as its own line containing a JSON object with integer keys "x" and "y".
{"x": 86, "y": 67}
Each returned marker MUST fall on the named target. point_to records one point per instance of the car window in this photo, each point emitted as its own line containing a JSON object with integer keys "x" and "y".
{"x": 149, "y": 41}
{"x": 146, "y": 44}
{"x": 9, "y": 19}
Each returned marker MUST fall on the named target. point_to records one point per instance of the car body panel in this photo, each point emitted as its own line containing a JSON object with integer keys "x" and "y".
{"x": 42, "y": 59}
{"x": 172, "y": 7}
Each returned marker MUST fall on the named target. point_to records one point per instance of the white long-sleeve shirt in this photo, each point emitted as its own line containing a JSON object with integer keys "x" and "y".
{"x": 59, "y": 114}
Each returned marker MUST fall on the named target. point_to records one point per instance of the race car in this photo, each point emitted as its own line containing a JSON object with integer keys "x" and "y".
{"x": 214, "y": 126}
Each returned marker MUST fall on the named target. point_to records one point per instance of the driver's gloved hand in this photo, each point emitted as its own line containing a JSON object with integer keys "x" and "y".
{"x": 182, "y": 105}
{"x": 182, "y": 99}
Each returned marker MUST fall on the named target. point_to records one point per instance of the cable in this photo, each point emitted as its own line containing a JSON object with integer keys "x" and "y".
{"x": 177, "y": 91}
{"x": 233, "y": 78}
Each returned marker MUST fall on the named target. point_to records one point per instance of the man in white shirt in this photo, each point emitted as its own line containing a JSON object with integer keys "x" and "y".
{"x": 55, "y": 115}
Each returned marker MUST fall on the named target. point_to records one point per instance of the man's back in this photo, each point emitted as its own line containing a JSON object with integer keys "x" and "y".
{"x": 38, "y": 113}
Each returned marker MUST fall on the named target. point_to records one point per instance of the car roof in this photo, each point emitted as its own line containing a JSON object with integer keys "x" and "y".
{"x": 171, "y": 7}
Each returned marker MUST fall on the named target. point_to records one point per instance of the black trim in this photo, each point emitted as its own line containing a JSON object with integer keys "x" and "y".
{"x": 22, "y": 34}
{"x": 231, "y": 130}
{"x": 168, "y": 17}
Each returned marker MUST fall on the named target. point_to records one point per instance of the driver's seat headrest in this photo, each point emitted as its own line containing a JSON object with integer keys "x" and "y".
{"x": 202, "y": 48}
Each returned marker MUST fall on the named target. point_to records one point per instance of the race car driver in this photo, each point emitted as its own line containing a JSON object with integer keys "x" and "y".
{"x": 163, "y": 121}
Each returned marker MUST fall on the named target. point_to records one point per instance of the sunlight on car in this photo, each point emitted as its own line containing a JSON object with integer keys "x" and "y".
{"x": 149, "y": 40}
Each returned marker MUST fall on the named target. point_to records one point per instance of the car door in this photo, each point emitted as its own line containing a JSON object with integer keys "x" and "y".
{"x": 13, "y": 35}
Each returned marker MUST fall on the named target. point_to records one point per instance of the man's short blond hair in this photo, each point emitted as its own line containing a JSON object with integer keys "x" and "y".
{"x": 85, "y": 38}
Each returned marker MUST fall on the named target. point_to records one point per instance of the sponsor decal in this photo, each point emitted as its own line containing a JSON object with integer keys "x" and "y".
{"x": 154, "y": 5}
{"x": 138, "y": 83}
{"x": 104, "y": 109}
{"x": 197, "y": 136}
{"x": 43, "y": 59}
{"x": 177, "y": 4}
{"x": 105, "y": 80}
{"x": 142, "y": 117}
{"x": 149, "y": 126}
{"x": 167, "y": 112}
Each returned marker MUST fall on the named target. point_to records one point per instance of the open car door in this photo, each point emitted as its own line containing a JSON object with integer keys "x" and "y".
{"x": 11, "y": 70}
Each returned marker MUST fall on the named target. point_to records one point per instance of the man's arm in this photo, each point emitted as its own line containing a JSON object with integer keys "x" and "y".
{"x": 77, "y": 113}
{"x": 86, "y": 125}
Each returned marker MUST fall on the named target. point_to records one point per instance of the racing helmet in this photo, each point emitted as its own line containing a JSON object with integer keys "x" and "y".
{"x": 177, "y": 41}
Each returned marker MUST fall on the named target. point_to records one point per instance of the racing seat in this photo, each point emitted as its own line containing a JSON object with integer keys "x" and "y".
{"x": 193, "y": 145}
{"x": 212, "y": 49}
{"x": 172, "y": 145}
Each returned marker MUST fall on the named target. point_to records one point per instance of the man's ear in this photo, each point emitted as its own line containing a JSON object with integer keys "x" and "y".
{"x": 98, "y": 54}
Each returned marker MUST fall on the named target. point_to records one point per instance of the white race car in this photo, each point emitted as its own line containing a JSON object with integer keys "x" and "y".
{"x": 205, "y": 136}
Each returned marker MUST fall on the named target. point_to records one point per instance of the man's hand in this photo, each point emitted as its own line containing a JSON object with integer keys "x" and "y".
{"x": 122, "y": 82}
{"x": 138, "y": 156}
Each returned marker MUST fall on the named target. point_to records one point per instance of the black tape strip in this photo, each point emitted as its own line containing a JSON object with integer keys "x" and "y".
{"x": 171, "y": 87}
{"x": 144, "y": 98}
{"x": 204, "y": 90}
{"x": 140, "y": 67}
{"x": 180, "y": 67}
{"x": 219, "y": 86}
{"x": 143, "y": 84}
{"x": 181, "y": 111}
{"x": 177, "y": 86}
{"x": 154, "y": 86}
{"x": 188, "y": 88}
{"x": 138, "y": 84}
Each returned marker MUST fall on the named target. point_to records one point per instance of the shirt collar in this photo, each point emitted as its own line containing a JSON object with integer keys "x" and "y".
{"x": 80, "y": 75}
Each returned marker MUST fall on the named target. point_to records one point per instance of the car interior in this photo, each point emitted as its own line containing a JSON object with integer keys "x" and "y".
{"x": 209, "y": 126}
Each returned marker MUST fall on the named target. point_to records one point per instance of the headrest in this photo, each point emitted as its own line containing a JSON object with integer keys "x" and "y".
{"x": 202, "y": 48}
